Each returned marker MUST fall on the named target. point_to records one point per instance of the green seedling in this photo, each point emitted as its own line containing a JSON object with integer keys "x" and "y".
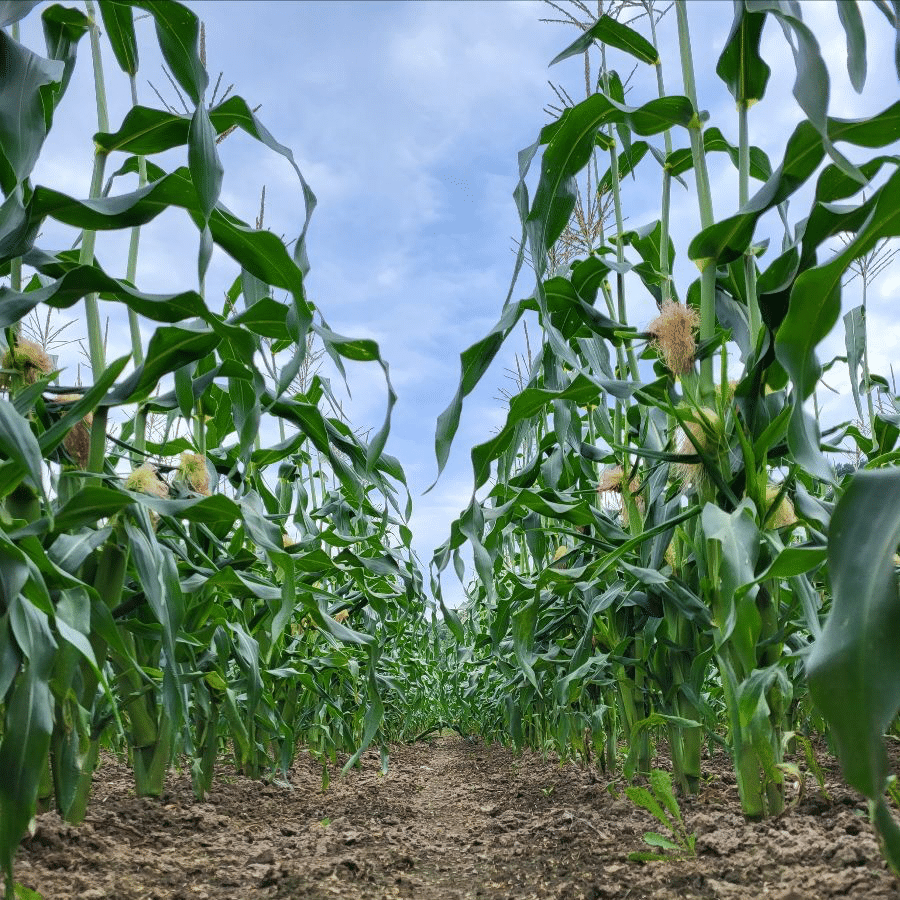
{"x": 660, "y": 801}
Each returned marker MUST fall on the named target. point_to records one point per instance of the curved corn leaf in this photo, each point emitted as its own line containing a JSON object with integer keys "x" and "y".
{"x": 178, "y": 31}
{"x": 859, "y": 701}
{"x": 613, "y": 33}
{"x": 851, "y": 19}
{"x": 814, "y": 308}
{"x": 740, "y": 66}
{"x": 23, "y": 118}
{"x": 118, "y": 23}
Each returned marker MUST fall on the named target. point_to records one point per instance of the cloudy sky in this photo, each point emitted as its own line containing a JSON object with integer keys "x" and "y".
{"x": 406, "y": 119}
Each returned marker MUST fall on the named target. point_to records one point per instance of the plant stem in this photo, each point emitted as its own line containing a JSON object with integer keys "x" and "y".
{"x": 137, "y": 349}
{"x": 704, "y": 197}
{"x": 743, "y": 196}
{"x": 664, "y": 262}
{"x": 86, "y": 257}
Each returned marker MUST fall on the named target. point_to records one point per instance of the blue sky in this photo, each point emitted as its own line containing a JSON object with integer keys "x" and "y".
{"x": 406, "y": 119}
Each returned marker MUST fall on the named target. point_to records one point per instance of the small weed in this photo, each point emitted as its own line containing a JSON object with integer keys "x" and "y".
{"x": 660, "y": 801}
{"x": 812, "y": 763}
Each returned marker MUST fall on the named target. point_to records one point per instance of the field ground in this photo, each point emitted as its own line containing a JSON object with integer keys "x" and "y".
{"x": 452, "y": 820}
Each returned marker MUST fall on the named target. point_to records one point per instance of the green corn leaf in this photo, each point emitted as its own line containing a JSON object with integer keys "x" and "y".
{"x": 76, "y": 411}
{"x": 63, "y": 29}
{"x": 792, "y": 561}
{"x": 524, "y": 622}
{"x": 627, "y": 162}
{"x": 89, "y": 506}
{"x": 247, "y": 656}
{"x": 740, "y": 66}
{"x": 613, "y": 33}
{"x": 682, "y": 160}
{"x": 812, "y": 84}
{"x": 727, "y": 240}
{"x": 70, "y": 550}
{"x": 18, "y": 443}
{"x": 855, "y": 31}
{"x": 169, "y": 349}
{"x": 813, "y": 311}
{"x": 572, "y": 144}
{"x": 83, "y": 280}
{"x": 855, "y": 341}
{"x": 118, "y": 24}
{"x": 260, "y": 252}
{"x": 267, "y": 318}
{"x": 206, "y": 175}
{"x": 14, "y": 572}
{"x": 854, "y": 667}
{"x": 23, "y": 753}
{"x": 738, "y": 536}
{"x": 151, "y": 131}
{"x": 178, "y": 32}
{"x": 373, "y": 717}
{"x": 23, "y": 122}
{"x": 474, "y": 362}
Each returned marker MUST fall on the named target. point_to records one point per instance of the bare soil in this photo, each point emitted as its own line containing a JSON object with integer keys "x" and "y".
{"x": 452, "y": 820}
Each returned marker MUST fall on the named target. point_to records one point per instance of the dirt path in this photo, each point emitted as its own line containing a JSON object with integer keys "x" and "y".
{"x": 451, "y": 821}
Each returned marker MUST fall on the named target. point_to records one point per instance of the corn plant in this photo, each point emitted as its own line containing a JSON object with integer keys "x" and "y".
{"x": 193, "y": 589}
{"x": 666, "y": 545}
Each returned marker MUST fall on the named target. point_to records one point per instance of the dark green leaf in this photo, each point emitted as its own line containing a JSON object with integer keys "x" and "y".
{"x": 63, "y": 29}
{"x": 18, "y": 443}
{"x": 169, "y": 349}
{"x": 740, "y": 66}
{"x": 23, "y": 123}
{"x": 814, "y": 308}
{"x": 178, "y": 31}
{"x": 118, "y": 23}
{"x": 203, "y": 161}
{"x": 812, "y": 83}
{"x": 854, "y": 668}
{"x": 474, "y": 362}
{"x": 23, "y": 755}
{"x": 613, "y": 33}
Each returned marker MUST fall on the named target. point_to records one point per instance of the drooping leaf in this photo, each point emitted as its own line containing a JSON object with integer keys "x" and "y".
{"x": 812, "y": 83}
{"x": 855, "y": 341}
{"x": 854, "y": 667}
{"x": 63, "y": 29}
{"x": 118, "y": 23}
{"x": 613, "y": 33}
{"x": 18, "y": 443}
{"x": 728, "y": 239}
{"x": 178, "y": 31}
{"x": 855, "y": 31}
{"x": 23, "y": 120}
{"x": 169, "y": 349}
{"x": 814, "y": 308}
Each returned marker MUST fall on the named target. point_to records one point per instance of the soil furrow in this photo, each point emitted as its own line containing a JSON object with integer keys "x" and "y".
{"x": 451, "y": 820}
